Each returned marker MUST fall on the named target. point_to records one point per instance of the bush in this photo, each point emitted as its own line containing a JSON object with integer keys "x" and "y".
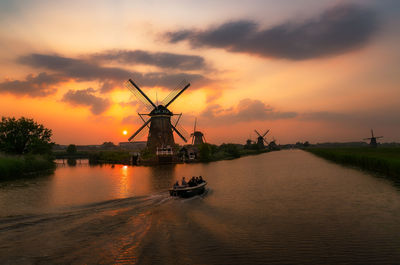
{"x": 12, "y": 167}
{"x": 71, "y": 149}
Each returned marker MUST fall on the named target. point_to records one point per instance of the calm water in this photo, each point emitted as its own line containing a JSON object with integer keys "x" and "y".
{"x": 286, "y": 207}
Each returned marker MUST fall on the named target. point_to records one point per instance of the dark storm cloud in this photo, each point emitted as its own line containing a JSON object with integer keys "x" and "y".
{"x": 34, "y": 86}
{"x": 110, "y": 77}
{"x": 87, "y": 97}
{"x": 335, "y": 31}
{"x": 246, "y": 110}
{"x": 159, "y": 59}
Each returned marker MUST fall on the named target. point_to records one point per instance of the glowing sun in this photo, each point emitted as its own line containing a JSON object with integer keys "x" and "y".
{"x": 124, "y": 132}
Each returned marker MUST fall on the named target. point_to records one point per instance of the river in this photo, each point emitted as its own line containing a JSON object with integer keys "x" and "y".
{"x": 286, "y": 207}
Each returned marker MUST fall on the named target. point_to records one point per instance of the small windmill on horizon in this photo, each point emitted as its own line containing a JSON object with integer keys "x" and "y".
{"x": 158, "y": 121}
{"x": 197, "y": 136}
{"x": 372, "y": 139}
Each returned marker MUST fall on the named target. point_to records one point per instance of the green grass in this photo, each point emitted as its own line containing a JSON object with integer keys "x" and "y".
{"x": 384, "y": 160}
{"x": 13, "y": 167}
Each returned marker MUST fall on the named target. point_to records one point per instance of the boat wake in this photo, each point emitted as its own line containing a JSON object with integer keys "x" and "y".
{"x": 96, "y": 233}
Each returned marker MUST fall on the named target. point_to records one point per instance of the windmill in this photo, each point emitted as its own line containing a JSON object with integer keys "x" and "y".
{"x": 372, "y": 139}
{"x": 272, "y": 145}
{"x": 197, "y": 136}
{"x": 159, "y": 119}
{"x": 261, "y": 139}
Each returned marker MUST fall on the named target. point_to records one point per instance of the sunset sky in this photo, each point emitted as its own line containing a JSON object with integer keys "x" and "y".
{"x": 313, "y": 70}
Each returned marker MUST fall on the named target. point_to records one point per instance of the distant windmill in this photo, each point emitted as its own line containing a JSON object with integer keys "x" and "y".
{"x": 272, "y": 145}
{"x": 261, "y": 139}
{"x": 372, "y": 139}
{"x": 160, "y": 128}
{"x": 197, "y": 136}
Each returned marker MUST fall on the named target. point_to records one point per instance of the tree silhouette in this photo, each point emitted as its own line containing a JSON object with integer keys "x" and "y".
{"x": 24, "y": 136}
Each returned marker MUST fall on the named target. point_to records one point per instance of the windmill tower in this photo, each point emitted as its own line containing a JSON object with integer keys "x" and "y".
{"x": 261, "y": 139}
{"x": 197, "y": 136}
{"x": 373, "y": 142}
{"x": 159, "y": 119}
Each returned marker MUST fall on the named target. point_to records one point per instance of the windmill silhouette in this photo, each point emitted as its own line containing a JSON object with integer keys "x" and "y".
{"x": 261, "y": 139}
{"x": 159, "y": 122}
{"x": 272, "y": 144}
{"x": 197, "y": 136}
{"x": 372, "y": 139}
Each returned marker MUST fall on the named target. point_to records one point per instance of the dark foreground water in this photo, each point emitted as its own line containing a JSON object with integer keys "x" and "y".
{"x": 286, "y": 207}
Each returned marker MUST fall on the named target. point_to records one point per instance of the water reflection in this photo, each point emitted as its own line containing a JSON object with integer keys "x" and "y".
{"x": 288, "y": 207}
{"x": 162, "y": 176}
{"x": 71, "y": 162}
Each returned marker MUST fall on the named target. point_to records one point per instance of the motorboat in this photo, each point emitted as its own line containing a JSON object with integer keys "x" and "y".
{"x": 186, "y": 192}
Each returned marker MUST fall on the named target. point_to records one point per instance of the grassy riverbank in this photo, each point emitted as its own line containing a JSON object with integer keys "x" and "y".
{"x": 13, "y": 167}
{"x": 381, "y": 160}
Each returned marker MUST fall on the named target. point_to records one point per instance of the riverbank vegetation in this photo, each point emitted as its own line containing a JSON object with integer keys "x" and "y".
{"x": 210, "y": 152}
{"x": 25, "y": 148}
{"x": 12, "y": 167}
{"x": 383, "y": 160}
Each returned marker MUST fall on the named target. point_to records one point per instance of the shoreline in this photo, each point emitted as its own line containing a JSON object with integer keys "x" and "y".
{"x": 385, "y": 161}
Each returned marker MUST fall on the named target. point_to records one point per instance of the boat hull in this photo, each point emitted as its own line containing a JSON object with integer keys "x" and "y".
{"x": 189, "y": 191}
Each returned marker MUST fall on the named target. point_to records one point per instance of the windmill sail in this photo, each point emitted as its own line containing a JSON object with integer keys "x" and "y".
{"x": 138, "y": 93}
{"x": 161, "y": 122}
{"x": 173, "y": 92}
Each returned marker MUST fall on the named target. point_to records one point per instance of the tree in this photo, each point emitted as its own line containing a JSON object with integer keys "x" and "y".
{"x": 230, "y": 149}
{"x": 205, "y": 152}
{"x": 24, "y": 136}
{"x": 71, "y": 149}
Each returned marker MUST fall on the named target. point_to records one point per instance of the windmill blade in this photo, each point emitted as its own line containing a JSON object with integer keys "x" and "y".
{"x": 140, "y": 95}
{"x": 173, "y": 92}
{"x": 195, "y": 121}
{"x": 174, "y": 122}
{"x": 182, "y": 131}
{"x": 265, "y": 141}
{"x": 141, "y": 117}
{"x": 143, "y": 134}
{"x": 265, "y": 133}
{"x": 177, "y": 132}
{"x": 204, "y": 138}
{"x": 367, "y": 138}
{"x": 378, "y": 137}
{"x": 138, "y": 131}
{"x": 177, "y": 95}
{"x": 258, "y": 133}
{"x": 372, "y": 133}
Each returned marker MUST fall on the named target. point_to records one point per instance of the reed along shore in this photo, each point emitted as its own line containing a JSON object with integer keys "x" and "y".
{"x": 382, "y": 160}
{"x": 14, "y": 167}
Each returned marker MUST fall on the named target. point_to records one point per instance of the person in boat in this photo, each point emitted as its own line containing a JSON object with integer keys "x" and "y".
{"x": 184, "y": 183}
{"x": 193, "y": 181}
{"x": 201, "y": 180}
{"x": 176, "y": 185}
